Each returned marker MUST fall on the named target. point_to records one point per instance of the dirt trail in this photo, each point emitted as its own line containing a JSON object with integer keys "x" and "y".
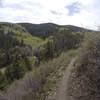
{"x": 60, "y": 93}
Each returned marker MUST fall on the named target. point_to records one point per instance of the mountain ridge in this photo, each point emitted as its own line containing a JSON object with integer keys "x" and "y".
{"x": 47, "y": 29}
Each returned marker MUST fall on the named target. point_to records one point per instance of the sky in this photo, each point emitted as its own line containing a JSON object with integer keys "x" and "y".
{"x": 83, "y": 13}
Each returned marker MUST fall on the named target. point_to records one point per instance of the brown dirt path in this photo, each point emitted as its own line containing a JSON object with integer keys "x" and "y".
{"x": 60, "y": 92}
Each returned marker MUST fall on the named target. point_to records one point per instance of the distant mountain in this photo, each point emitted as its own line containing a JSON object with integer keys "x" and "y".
{"x": 40, "y": 30}
{"x": 77, "y": 29}
{"x": 47, "y": 29}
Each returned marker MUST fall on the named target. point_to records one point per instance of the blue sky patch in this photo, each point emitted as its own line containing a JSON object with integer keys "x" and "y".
{"x": 73, "y": 8}
{"x": 0, "y": 3}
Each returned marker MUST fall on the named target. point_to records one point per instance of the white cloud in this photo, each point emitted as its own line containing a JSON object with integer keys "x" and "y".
{"x": 39, "y": 11}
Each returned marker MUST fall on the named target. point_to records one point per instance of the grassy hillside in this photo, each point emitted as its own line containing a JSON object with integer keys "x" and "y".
{"x": 19, "y": 33}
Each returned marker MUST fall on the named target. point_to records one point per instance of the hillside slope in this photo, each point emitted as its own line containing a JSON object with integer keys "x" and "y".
{"x": 84, "y": 80}
{"x": 14, "y": 36}
{"x": 16, "y": 52}
{"x": 32, "y": 57}
{"x": 19, "y": 32}
{"x": 48, "y": 29}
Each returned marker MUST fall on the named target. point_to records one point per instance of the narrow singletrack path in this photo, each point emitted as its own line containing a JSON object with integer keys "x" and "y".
{"x": 60, "y": 93}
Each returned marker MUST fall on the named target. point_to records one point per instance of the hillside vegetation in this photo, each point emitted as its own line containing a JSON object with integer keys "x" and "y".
{"x": 37, "y": 84}
{"x": 30, "y": 54}
{"x": 84, "y": 81}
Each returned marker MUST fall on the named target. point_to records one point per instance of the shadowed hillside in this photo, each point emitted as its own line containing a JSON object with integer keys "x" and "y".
{"x": 40, "y": 30}
{"x": 48, "y": 29}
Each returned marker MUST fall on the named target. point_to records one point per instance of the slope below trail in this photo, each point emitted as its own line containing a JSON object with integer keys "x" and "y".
{"x": 60, "y": 93}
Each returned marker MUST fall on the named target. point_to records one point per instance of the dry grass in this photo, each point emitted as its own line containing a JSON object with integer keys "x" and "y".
{"x": 84, "y": 81}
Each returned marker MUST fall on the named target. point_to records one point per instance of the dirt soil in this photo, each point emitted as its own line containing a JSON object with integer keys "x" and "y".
{"x": 60, "y": 92}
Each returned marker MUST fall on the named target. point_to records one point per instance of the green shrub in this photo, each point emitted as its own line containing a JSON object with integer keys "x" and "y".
{"x": 14, "y": 71}
{"x": 3, "y": 81}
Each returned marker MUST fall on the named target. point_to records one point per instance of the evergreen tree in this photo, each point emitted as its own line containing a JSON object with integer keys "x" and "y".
{"x": 50, "y": 49}
{"x": 14, "y": 71}
{"x": 27, "y": 63}
{"x": 3, "y": 81}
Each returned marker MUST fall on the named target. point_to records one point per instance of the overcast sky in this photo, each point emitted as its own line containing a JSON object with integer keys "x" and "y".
{"x": 84, "y": 13}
